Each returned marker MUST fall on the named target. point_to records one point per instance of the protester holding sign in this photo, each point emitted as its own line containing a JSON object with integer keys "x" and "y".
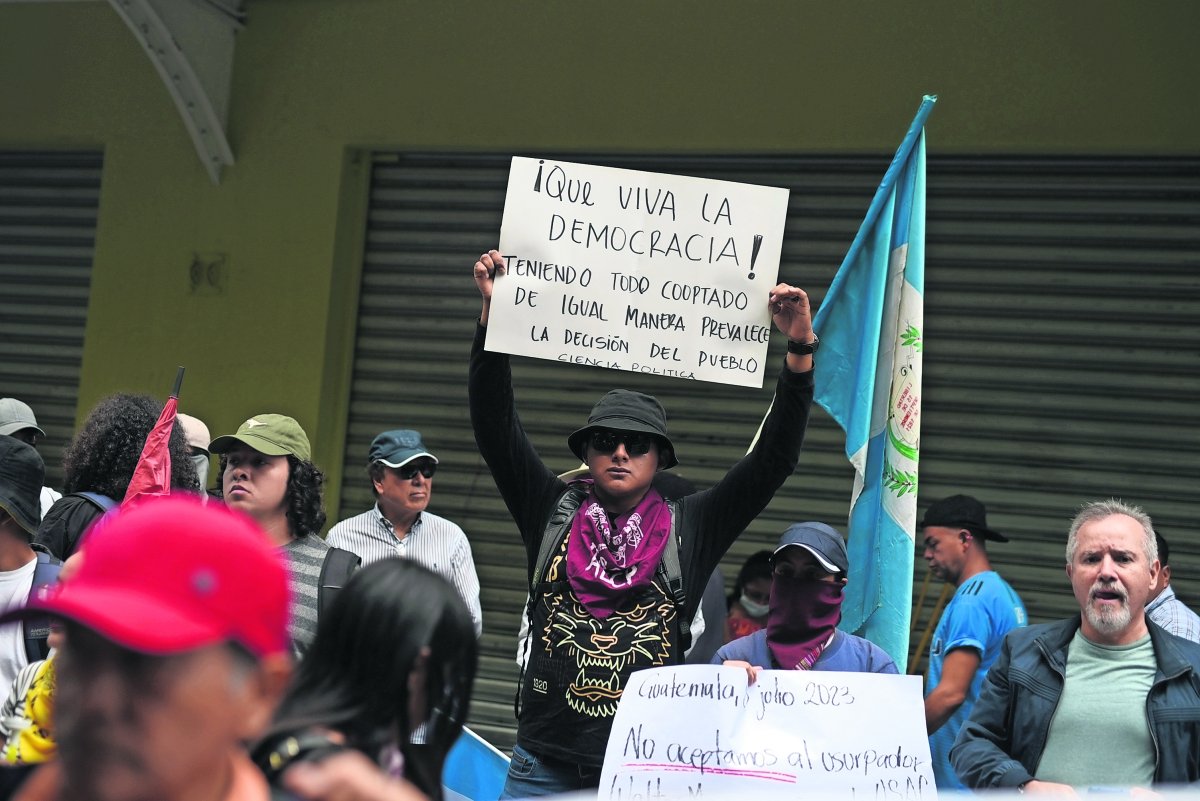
{"x": 601, "y": 605}
{"x": 809, "y": 572}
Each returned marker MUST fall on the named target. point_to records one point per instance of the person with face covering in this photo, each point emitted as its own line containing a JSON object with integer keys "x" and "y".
{"x": 198, "y": 440}
{"x": 749, "y": 602}
{"x": 602, "y": 605}
{"x": 807, "y": 582}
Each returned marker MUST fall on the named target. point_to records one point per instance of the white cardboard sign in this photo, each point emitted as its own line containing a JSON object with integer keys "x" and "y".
{"x": 652, "y": 273}
{"x": 697, "y": 730}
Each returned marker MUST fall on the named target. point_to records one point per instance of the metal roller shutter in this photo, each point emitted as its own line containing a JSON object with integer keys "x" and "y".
{"x": 1061, "y": 302}
{"x": 48, "y": 208}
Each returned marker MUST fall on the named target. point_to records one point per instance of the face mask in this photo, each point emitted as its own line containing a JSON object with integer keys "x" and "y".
{"x": 803, "y": 616}
{"x": 753, "y": 609}
{"x": 201, "y": 462}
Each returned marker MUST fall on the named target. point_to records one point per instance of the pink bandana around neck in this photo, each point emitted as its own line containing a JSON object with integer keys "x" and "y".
{"x": 606, "y": 561}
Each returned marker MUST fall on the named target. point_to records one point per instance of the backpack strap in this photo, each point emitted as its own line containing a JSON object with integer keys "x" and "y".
{"x": 101, "y": 502}
{"x": 672, "y": 575}
{"x": 557, "y": 528}
{"x": 36, "y": 630}
{"x": 336, "y": 570}
{"x": 556, "y": 531}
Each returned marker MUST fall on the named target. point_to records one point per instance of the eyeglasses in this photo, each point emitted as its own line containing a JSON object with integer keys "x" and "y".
{"x": 636, "y": 444}
{"x": 409, "y": 471}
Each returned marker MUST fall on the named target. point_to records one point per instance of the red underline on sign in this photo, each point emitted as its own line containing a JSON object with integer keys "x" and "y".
{"x": 770, "y": 775}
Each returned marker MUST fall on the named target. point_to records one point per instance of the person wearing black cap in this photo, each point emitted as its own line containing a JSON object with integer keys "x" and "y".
{"x": 809, "y": 569}
{"x": 968, "y": 638}
{"x": 21, "y": 475}
{"x": 604, "y": 603}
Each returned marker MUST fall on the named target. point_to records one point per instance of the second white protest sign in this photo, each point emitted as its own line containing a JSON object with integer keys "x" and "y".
{"x": 652, "y": 273}
{"x": 695, "y": 731}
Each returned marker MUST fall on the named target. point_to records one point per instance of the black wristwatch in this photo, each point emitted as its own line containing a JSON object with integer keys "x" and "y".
{"x": 804, "y": 348}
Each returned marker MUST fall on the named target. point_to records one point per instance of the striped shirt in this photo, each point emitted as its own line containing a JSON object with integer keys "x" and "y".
{"x": 433, "y": 542}
{"x": 306, "y": 556}
{"x": 1173, "y": 615}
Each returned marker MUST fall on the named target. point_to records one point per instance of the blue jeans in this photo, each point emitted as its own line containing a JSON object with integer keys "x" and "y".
{"x": 532, "y": 775}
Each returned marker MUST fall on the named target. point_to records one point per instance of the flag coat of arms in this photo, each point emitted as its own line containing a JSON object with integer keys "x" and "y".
{"x": 868, "y": 378}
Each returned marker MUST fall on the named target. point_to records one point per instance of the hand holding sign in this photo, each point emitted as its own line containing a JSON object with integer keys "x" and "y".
{"x": 691, "y": 731}
{"x": 490, "y": 265}
{"x": 789, "y": 309}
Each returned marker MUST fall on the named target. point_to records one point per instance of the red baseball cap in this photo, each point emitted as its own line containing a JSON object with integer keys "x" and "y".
{"x": 173, "y": 575}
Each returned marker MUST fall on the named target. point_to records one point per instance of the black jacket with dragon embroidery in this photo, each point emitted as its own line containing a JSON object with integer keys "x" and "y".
{"x": 579, "y": 665}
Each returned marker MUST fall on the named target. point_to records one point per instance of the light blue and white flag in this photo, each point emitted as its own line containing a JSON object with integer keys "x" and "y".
{"x": 475, "y": 769}
{"x": 869, "y": 380}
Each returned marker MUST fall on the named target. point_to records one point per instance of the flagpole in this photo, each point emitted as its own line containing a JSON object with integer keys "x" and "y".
{"x": 877, "y": 203}
{"x": 178, "y": 383}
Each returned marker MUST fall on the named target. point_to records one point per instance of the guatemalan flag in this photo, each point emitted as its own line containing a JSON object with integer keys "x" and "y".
{"x": 869, "y": 380}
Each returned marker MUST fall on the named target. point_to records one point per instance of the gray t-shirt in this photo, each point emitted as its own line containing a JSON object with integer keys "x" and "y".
{"x": 1099, "y": 734}
{"x": 305, "y": 556}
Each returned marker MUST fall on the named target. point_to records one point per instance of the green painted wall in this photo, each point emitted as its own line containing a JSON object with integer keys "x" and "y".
{"x": 317, "y": 84}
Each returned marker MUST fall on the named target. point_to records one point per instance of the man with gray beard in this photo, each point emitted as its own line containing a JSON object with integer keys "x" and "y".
{"x": 1106, "y": 698}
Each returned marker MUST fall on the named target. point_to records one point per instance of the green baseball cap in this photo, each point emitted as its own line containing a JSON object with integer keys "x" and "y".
{"x": 272, "y": 434}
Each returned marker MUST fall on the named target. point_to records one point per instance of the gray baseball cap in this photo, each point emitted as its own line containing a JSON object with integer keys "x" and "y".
{"x": 16, "y": 416}
{"x": 822, "y": 541}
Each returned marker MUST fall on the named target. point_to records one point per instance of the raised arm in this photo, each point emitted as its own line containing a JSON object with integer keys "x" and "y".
{"x": 724, "y": 511}
{"x": 523, "y": 480}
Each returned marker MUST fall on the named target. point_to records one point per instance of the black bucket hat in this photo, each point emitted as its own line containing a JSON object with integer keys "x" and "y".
{"x": 624, "y": 410}
{"x": 960, "y": 511}
{"x": 22, "y": 474}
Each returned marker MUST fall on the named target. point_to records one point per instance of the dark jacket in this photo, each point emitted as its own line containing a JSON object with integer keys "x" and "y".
{"x": 65, "y": 523}
{"x": 1001, "y": 744}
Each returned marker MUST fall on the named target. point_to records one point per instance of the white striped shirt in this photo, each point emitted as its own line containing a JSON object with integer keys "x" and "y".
{"x": 433, "y": 542}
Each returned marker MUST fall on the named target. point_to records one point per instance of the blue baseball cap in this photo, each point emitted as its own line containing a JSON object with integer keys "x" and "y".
{"x": 398, "y": 448}
{"x": 822, "y": 541}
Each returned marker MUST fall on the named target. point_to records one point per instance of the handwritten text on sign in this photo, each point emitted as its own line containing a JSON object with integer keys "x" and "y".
{"x": 660, "y": 274}
{"x": 683, "y": 732}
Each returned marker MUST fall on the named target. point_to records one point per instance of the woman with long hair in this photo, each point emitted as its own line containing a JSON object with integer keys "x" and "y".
{"x": 389, "y": 675}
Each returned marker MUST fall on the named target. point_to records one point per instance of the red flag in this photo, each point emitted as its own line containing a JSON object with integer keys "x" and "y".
{"x": 152, "y": 476}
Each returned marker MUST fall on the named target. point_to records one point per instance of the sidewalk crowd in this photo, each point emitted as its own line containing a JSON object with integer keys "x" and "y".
{"x": 212, "y": 645}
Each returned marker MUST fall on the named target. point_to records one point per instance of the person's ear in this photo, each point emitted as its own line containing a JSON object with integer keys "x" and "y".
{"x": 1164, "y": 575}
{"x": 260, "y": 694}
{"x": 1156, "y": 570}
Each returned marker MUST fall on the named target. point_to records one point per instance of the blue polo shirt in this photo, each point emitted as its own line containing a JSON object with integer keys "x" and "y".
{"x": 982, "y": 611}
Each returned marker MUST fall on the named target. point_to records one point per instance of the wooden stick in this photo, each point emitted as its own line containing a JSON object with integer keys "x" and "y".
{"x": 934, "y": 619}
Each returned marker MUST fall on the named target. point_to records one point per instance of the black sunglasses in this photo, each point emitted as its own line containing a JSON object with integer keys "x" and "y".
{"x": 409, "y": 471}
{"x": 636, "y": 444}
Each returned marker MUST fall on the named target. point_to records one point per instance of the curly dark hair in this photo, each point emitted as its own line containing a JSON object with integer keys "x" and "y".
{"x": 104, "y": 453}
{"x": 305, "y": 497}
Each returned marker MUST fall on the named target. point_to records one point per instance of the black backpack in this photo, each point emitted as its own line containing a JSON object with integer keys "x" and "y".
{"x": 36, "y": 630}
{"x": 336, "y": 570}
